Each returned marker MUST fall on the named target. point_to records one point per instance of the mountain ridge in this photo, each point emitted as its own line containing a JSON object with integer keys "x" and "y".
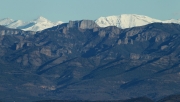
{"x": 122, "y": 21}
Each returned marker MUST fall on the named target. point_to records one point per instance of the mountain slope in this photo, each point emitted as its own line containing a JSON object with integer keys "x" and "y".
{"x": 66, "y": 62}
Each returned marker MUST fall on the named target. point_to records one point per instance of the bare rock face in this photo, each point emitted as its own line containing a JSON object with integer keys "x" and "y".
{"x": 65, "y": 30}
{"x": 102, "y": 33}
{"x": 8, "y": 31}
{"x": 134, "y": 56}
{"x": 20, "y": 45}
{"x": 83, "y": 24}
{"x": 35, "y": 58}
{"x": 87, "y": 24}
{"x": 119, "y": 41}
{"x": 46, "y": 51}
{"x": 2, "y": 32}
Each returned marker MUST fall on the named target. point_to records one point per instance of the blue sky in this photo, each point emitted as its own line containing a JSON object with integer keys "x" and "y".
{"x": 66, "y": 10}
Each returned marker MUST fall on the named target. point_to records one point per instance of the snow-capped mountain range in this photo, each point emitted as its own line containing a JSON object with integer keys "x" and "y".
{"x": 38, "y": 24}
{"x": 130, "y": 20}
{"x": 122, "y": 21}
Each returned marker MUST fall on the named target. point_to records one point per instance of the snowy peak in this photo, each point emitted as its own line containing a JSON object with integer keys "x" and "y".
{"x": 132, "y": 20}
{"x": 125, "y": 20}
{"x": 6, "y": 21}
{"x": 38, "y": 24}
{"x": 129, "y": 20}
{"x": 41, "y": 19}
{"x": 136, "y": 18}
{"x": 16, "y": 24}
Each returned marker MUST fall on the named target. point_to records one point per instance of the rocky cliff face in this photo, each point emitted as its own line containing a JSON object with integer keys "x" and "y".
{"x": 83, "y": 24}
{"x": 71, "y": 62}
{"x": 8, "y": 31}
